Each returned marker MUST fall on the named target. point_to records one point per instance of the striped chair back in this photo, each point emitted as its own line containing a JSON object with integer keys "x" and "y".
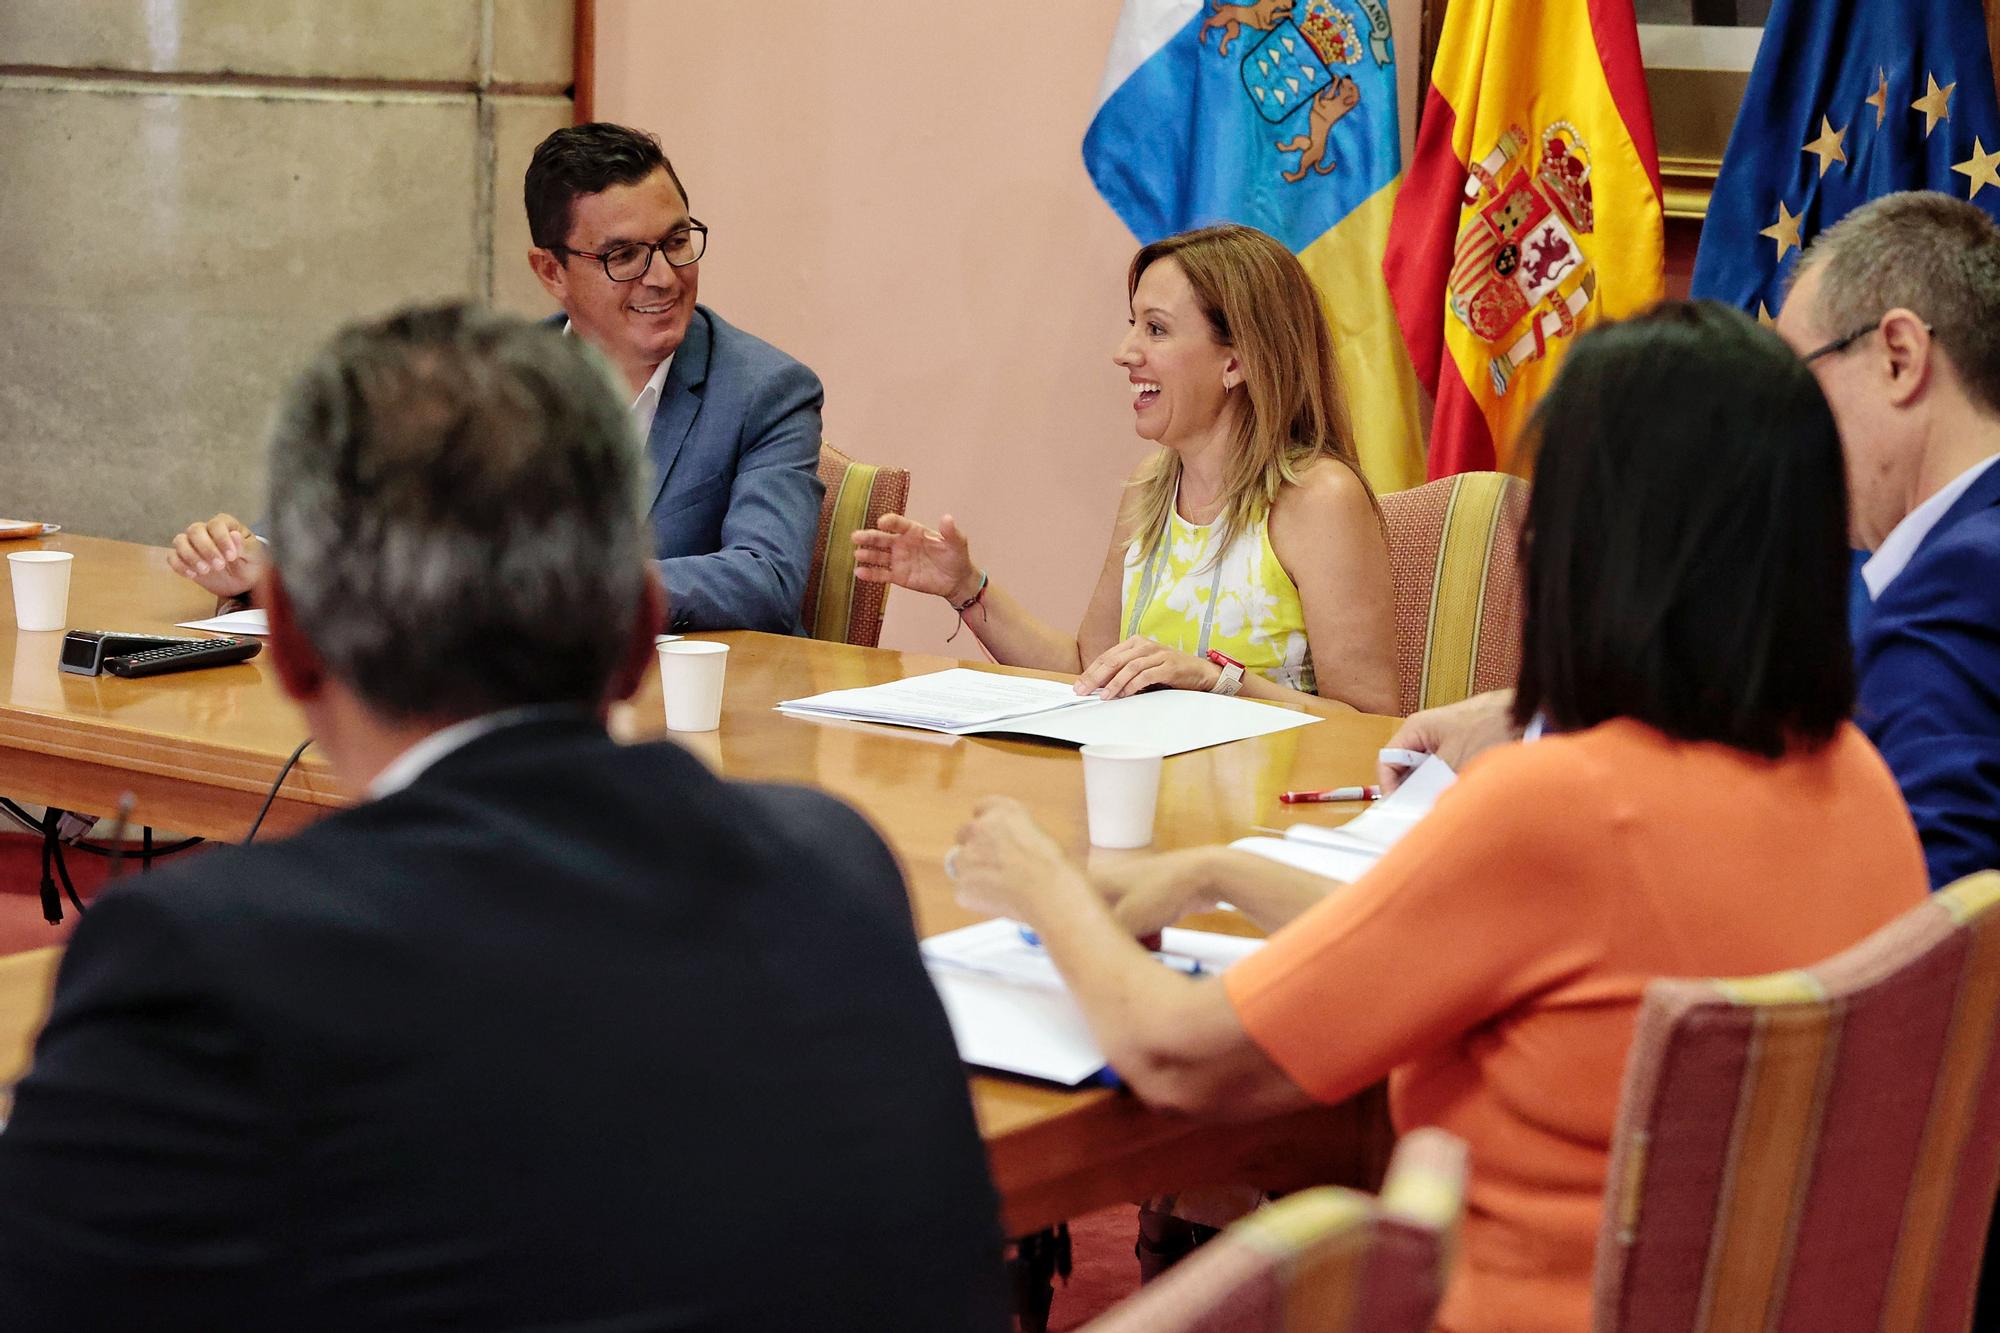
{"x": 837, "y": 607}
{"x": 1323, "y": 1260}
{"x": 1454, "y": 561}
{"x": 1815, "y": 1149}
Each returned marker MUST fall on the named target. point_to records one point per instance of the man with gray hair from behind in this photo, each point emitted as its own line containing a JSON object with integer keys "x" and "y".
{"x": 545, "y": 1032}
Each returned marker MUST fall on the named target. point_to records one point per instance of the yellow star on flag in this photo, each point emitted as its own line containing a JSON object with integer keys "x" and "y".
{"x": 1880, "y": 98}
{"x": 1764, "y": 317}
{"x": 1981, "y": 169}
{"x": 1935, "y": 104}
{"x": 1785, "y": 231}
{"x": 1828, "y": 147}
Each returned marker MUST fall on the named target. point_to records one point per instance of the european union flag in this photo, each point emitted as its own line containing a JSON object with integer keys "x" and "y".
{"x": 1849, "y": 100}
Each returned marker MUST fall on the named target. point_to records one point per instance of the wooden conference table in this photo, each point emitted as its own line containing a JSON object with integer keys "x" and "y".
{"x": 199, "y": 751}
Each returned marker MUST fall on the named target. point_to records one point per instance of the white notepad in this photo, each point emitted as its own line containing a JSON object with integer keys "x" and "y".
{"x": 963, "y": 702}
{"x": 1350, "y": 851}
{"x": 1010, "y": 1010}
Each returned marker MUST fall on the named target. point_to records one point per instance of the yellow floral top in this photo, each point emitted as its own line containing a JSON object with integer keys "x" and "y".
{"x": 1254, "y": 616}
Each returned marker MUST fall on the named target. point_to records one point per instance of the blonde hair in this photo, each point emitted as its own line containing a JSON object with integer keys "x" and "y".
{"x": 1258, "y": 300}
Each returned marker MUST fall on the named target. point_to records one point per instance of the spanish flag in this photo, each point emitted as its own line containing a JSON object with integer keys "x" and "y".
{"x": 1531, "y": 210}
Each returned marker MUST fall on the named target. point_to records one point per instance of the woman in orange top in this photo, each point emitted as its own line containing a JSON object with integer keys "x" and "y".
{"x": 1702, "y": 807}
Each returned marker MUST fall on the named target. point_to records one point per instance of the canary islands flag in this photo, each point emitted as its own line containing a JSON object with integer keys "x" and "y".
{"x": 1279, "y": 114}
{"x": 1532, "y": 210}
{"x": 1849, "y": 100}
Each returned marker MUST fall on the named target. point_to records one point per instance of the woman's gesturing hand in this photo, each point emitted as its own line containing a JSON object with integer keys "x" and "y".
{"x": 904, "y": 552}
{"x": 1140, "y": 664}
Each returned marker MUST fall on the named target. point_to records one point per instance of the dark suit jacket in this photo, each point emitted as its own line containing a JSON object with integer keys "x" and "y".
{"x": 1927, "y": 656}
{"x": 566, "y": 1035}
{"x": 736, "y": 488}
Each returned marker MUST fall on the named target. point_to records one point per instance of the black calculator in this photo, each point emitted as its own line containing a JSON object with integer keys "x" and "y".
{"x": 89, "y": 652}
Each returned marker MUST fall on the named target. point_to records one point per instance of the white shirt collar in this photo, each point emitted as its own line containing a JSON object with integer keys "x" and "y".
{"x": 414, "y": 762}
{"x": 647, "y": 405}
{"x": 1903, "y": 540}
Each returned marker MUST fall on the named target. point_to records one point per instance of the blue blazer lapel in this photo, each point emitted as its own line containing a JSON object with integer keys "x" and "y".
{"x": 1982, "y": 494}
{"x": 680, "y": 402}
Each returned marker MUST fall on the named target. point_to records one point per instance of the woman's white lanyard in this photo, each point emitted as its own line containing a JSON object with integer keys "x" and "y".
{"x": 1150, "y": 583}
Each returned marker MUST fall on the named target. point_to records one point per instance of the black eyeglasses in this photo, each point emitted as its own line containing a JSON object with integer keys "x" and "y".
{"x": 628, "y": 263}
{"x": 1846, "y": 341}
{"x": 1841, "y": 343}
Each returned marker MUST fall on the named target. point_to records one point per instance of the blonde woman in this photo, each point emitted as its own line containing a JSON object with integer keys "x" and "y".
{"x": 1249, "y": 534}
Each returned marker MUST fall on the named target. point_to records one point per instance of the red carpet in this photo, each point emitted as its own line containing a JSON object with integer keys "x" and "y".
{"x": 1103, "y": 1270}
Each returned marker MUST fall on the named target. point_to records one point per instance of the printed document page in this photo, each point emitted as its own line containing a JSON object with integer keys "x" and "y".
{"x": 953, "y": 700}
{"x": 1350, "y": 851}
{"x": 1010, "y": 1011}
{"x": 965, "y": 702}
{"x": 1170, "y": 721}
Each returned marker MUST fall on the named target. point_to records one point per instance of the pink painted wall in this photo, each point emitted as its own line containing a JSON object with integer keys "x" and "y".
{"x": 897, "y": 198}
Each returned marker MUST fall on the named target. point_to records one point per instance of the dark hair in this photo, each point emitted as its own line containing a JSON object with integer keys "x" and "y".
{"x": 455, "y": 507}
{"x": 1686, "y": 545}
{"x": 586, "y": 159}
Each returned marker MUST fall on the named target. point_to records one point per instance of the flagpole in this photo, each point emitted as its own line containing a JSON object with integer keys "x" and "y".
{"x": 1993, "y": 38}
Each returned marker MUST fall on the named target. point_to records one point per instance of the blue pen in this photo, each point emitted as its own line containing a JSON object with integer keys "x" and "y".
{"x": 1178, "y": 962}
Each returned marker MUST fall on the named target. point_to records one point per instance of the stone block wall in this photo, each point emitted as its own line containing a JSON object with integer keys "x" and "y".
{"x": 194, "y": 193}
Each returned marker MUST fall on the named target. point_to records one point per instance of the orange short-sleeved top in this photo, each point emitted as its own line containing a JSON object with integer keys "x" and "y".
{"x": 1492, "y": 963}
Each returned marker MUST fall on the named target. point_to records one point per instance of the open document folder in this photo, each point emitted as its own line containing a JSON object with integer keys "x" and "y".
{"x": 964, "y": 702}
{"x": 1010, "y": 1010}
{"x": 1350, "y": 851}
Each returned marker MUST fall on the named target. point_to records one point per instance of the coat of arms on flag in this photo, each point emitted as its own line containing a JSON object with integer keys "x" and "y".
{"x": 1532, "y": 211}
{"x": 1517, "y": 256}
{"x": 1297, "y": 64}
{"x": 1280, "y": 114}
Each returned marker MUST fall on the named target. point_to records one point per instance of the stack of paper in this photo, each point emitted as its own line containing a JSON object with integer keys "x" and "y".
{"x": 958, "y": 700}
{"x": 1350, "y": 851}
{"x": 1010, "y": 1011}
{"x": 963, "y": 702}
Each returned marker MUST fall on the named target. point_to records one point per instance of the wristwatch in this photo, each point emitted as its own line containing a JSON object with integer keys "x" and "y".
{"x": 1231, "y": 679}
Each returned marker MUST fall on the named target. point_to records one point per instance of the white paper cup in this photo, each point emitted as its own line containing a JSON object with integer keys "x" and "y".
{"x": 41, "y": 588}
{"x": 691, "y": 683}
{"x": 1121, "y": 789}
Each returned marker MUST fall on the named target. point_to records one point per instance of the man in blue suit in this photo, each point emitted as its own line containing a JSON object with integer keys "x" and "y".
{"x": 1897, "y": 309}
{"x": 731, "y": 424}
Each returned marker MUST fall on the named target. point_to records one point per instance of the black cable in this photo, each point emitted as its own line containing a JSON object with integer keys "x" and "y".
{"x": 34, "y": 826}
{"x": 62, "y": 869}
{"x": 146, "y": 848}
{"x": 21, "y": 816}
{"x": 163, "y": 850}
{"x": 51, "y": 903}
{"x": 272, "y": 795}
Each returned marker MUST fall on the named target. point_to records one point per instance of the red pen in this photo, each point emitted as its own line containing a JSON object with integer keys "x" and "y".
{"x": 1331, "y": 794}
